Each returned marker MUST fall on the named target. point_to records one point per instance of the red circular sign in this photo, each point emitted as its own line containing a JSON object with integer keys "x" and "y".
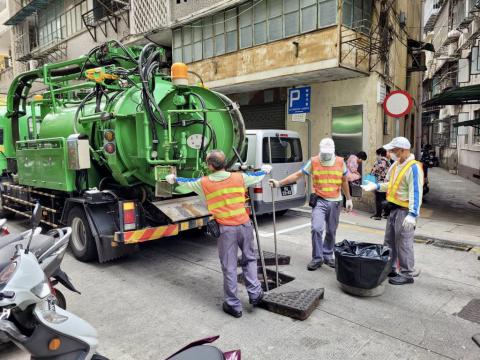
{"x": 398, "y": 103}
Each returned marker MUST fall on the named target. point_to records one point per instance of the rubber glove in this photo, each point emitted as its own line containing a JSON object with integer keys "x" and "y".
{"x": 349, "y": 205}
{"x": 369, "y": 186}
{"x": 274, "y": 183}
{"x": 409, "y": 223}
{"x": 266, "y": 168}
{"x": 171, "y": 178}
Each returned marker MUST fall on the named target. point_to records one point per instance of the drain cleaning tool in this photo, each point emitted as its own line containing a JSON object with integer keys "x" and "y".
{"x": 274, "y": 218}
{"x": 255, "y": 226}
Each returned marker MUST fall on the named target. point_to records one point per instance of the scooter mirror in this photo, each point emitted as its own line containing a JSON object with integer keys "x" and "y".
{"x": 36, "y": 216}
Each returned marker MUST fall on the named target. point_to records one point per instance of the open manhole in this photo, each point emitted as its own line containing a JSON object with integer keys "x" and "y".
{"x": 271, "y": 278}
{"x": 471, "y": 311}
{"x": 269, "y": 258}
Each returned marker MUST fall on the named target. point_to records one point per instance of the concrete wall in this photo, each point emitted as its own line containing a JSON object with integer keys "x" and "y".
{"x": 313, "y": 47}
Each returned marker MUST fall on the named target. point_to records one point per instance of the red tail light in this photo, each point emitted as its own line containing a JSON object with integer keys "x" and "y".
{"x": 129, "y": 216}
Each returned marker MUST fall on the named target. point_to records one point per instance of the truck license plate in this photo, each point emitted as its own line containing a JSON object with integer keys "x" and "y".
{"x": 286, "y": 190}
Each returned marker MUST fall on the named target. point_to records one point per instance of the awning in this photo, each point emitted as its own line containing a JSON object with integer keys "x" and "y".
{"x": 458, "y": 96}
{"x": 474, "y": 122}
{"x": 26, "y": 11}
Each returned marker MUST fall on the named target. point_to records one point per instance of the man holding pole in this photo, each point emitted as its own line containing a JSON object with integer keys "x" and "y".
{"x": 224, "y": 193}
{"x": 404, "y": 187}
{"x": 329, "y": 179}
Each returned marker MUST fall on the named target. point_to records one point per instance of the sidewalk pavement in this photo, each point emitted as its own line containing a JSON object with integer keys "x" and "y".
{"x": 449, "y": 234}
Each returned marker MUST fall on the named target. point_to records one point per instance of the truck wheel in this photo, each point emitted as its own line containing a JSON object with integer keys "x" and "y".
{"x": 82, "y": 242}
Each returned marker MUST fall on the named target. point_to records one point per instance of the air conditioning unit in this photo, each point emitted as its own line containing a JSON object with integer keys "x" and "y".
{"x": 32, "y": 64}
{"x": 440, "y": 128}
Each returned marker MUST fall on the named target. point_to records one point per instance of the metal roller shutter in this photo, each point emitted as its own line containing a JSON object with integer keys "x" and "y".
{"x": 268, "y": 116}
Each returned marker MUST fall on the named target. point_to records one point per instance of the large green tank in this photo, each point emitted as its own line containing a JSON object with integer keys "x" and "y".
{"x": 139, "y": 124}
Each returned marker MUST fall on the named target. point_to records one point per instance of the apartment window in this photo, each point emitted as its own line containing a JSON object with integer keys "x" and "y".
{"x": 207, "y": 38}
{"x": 260, "y": 23}
{"x": 292, "y": 17}
{"x": 275, "y": 20}
{"x": 357, "y": 14}
{"x": 177, "y": 45}
{"x": 453, "y": 132}
{"x": 197, "y": 41}
{"x": 245, "y": 23}
{"x": 476, "y": 129}
{"x": 308, "y": 14}
{"x": 327, "y": 12}
{"x": 187, "y": 44}
{"x": 231, "y": 33}
{"x": 219, "y": 33}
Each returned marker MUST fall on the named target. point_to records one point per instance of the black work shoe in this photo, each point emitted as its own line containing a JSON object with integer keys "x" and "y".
{"x": 392, "y": 274}
{"x": 231, "y": 311}
{"x": 400, "y": 280}
{"x": 314, "y": 265}
{"x": 330, "y": 262}
{"x": 258, "y": 300}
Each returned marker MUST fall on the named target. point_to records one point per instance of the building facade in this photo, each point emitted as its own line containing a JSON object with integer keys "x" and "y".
{"x": 451, "y": 90}
{"x": 349, "y": 52}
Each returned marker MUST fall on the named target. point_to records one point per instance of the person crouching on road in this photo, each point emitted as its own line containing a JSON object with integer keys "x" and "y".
{"x": 404, "y": 187}
{"x": 224, "y": 193}
{"x": 329, "y": 178}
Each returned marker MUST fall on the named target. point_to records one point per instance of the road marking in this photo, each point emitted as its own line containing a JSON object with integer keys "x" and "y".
{"x": 284, "y": 230}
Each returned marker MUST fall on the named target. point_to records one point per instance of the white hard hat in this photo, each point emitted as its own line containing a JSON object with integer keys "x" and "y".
{"x": 327, "y": 146}
{"x": 398, "y": 142}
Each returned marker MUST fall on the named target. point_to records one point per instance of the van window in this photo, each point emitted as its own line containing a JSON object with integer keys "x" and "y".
{"x": 284, "y": 150}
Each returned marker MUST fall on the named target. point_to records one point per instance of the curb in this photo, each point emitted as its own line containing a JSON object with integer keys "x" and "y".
{"x": 419, "y": 238}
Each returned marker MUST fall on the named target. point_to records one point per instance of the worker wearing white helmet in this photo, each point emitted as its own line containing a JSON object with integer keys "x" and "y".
{"x": 329, "y": 179}
{"x": 404, "y": 188}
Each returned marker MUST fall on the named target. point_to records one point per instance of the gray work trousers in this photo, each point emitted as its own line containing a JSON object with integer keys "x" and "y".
{"x": 325, "y": 217}
{"x": 401, "y": 242}
{"x": 231, "y": 238}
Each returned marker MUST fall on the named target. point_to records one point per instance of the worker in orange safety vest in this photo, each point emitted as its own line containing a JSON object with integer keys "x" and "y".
{"x": 225, "y": 195}
{"x": 329, "y": 179}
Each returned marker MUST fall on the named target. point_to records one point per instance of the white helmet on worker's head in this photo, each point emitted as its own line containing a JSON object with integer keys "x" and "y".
{"x": 398, "y": 143}
{"x": 327, "y": 149}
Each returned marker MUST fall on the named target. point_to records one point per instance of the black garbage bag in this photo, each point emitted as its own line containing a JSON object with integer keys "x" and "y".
{"x": 362, "y": 265}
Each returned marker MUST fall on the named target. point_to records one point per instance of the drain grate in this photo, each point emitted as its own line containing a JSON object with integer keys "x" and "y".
{"x": 471, "y": 311}
{"x": 296, "y": 304}
{"x": 269, "y": 259}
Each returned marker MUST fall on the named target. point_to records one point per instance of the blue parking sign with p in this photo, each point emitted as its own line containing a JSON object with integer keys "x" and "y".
{"x": 299, "y": 100}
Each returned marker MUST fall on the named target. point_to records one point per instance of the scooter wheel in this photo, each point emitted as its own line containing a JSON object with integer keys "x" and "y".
{"x": 61, "y": 301}
{"x": 98, "y": 357}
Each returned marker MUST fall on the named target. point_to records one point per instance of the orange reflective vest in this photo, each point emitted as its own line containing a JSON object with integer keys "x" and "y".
{"x": 226, "y": 199}
{"x": 393, "y": 186}
{"x": 327, "y": 180}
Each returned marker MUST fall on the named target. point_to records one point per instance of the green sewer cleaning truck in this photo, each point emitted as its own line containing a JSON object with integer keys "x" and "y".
{"x": 105, "y": 132}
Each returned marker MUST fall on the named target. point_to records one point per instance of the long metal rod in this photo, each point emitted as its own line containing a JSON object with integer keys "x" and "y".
{"x": 255, "y": 227}
{"x": 274, "y": 217}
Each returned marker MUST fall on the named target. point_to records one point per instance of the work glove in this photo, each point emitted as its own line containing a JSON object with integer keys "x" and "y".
{"x": 171, "y": 178}
{"x": 369, "y": 186}
{"x": 349, "y": 205}
{"x": 274, "y": 183}
{"x": 266, "y": 168}
{"x": 409, "y": 223}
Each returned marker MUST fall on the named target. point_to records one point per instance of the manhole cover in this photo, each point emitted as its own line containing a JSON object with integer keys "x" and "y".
{"x": 471, "y": 311}
{"x": 269, "y": 259}
{"x": 296, "y": 304}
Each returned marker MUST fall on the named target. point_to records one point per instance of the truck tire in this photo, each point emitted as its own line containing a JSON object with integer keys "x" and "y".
{"x": 82, "y": 242}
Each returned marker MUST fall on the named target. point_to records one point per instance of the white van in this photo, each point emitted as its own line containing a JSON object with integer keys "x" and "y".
{"x": 286, "y": 159}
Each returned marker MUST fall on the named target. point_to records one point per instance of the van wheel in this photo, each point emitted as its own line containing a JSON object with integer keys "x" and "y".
{"x": 82, "y": 242}
{"x": 281, "y": 212}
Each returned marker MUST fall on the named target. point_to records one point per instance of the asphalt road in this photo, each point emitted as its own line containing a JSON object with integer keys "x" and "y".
{"x": 168, "y": 294}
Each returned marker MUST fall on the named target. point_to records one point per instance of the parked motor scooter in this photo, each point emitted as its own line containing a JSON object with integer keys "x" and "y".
{"x": 29, "y": 315}
{"x": 40, "y": 243}
{"x": 200, "y": 350}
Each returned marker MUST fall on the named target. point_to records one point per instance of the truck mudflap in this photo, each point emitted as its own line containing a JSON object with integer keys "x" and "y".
{"x": 155, "y": 233}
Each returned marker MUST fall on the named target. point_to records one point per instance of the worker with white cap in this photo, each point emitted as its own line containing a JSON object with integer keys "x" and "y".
{"x": 329, "y": 178}
{"x": 404, "y": 187}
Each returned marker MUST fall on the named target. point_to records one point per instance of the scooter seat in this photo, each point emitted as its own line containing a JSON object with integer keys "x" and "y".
{"x": 40, "y": 243}
{"x": 200, "y": 352}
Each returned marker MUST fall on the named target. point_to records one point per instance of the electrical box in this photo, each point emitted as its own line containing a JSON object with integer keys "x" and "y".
{"x": 78, "y": 153}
